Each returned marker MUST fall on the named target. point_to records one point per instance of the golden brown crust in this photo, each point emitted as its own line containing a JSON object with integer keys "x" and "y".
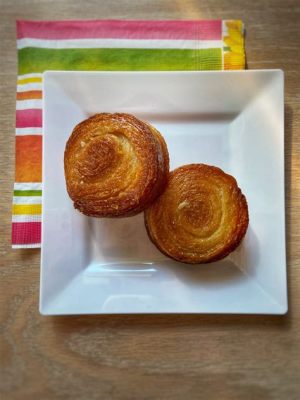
{"x": 201, "y": 217}
{"x": 115, "y": 165}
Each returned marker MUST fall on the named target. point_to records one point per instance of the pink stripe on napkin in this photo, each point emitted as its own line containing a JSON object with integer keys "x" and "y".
{"x": 126, "y": 29}
{"x": 31, "y": 118}
{"x": 26, "y": 232}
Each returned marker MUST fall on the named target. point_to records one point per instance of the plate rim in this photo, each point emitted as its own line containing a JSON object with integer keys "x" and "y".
{"x": 283, "y": 308}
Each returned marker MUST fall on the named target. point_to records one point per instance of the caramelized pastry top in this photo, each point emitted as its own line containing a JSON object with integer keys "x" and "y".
{"x": 201, "y": 217}
{"x": 115, "y": 165}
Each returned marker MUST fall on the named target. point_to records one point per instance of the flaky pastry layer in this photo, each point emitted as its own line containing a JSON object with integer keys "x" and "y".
{"x": 201, "y": 216}
{"x": 115, "y": 165}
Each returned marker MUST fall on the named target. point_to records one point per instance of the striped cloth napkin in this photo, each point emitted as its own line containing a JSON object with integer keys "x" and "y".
{"x": 100, "y": 45}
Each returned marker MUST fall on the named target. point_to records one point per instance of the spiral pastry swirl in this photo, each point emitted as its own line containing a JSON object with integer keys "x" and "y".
{"x": 115, "y": 165}
{"x": 201, "y": 217}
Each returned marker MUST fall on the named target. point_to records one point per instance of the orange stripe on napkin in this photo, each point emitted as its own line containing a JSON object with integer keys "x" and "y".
{"x": 29, "y": 158}
{"x": 30, "y": 94}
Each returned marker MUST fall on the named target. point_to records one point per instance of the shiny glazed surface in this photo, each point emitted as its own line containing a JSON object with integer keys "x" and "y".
{"x": 115, "y": 165}
{"x": 201, "y": 217}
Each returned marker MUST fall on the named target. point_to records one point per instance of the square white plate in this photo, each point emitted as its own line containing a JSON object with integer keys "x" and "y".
{"x": 233, "y": 120}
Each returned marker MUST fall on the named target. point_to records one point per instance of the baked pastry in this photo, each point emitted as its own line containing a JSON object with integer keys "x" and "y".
{"x": 115, "y": 165}
{"x": 201, "y": 217}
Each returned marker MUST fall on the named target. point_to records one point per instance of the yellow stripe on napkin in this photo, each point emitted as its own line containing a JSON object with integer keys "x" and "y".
{"x": 32, "y": 209}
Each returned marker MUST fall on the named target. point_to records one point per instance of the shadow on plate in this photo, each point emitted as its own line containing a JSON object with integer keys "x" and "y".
{"x": 126, "y": 249}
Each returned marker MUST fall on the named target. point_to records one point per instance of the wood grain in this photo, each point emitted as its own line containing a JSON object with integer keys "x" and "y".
{"x": 150, "y": 357}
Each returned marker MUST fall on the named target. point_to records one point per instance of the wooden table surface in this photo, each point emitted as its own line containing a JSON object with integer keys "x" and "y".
{"x": 150, "y": 357}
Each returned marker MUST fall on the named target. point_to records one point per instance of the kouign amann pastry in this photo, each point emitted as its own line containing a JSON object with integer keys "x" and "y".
{"x": 201, "y": 216}
{"x": 115, "y": 165}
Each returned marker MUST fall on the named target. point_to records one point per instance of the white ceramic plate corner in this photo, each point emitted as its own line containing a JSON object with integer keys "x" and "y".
{"x": 231, "y": 119}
